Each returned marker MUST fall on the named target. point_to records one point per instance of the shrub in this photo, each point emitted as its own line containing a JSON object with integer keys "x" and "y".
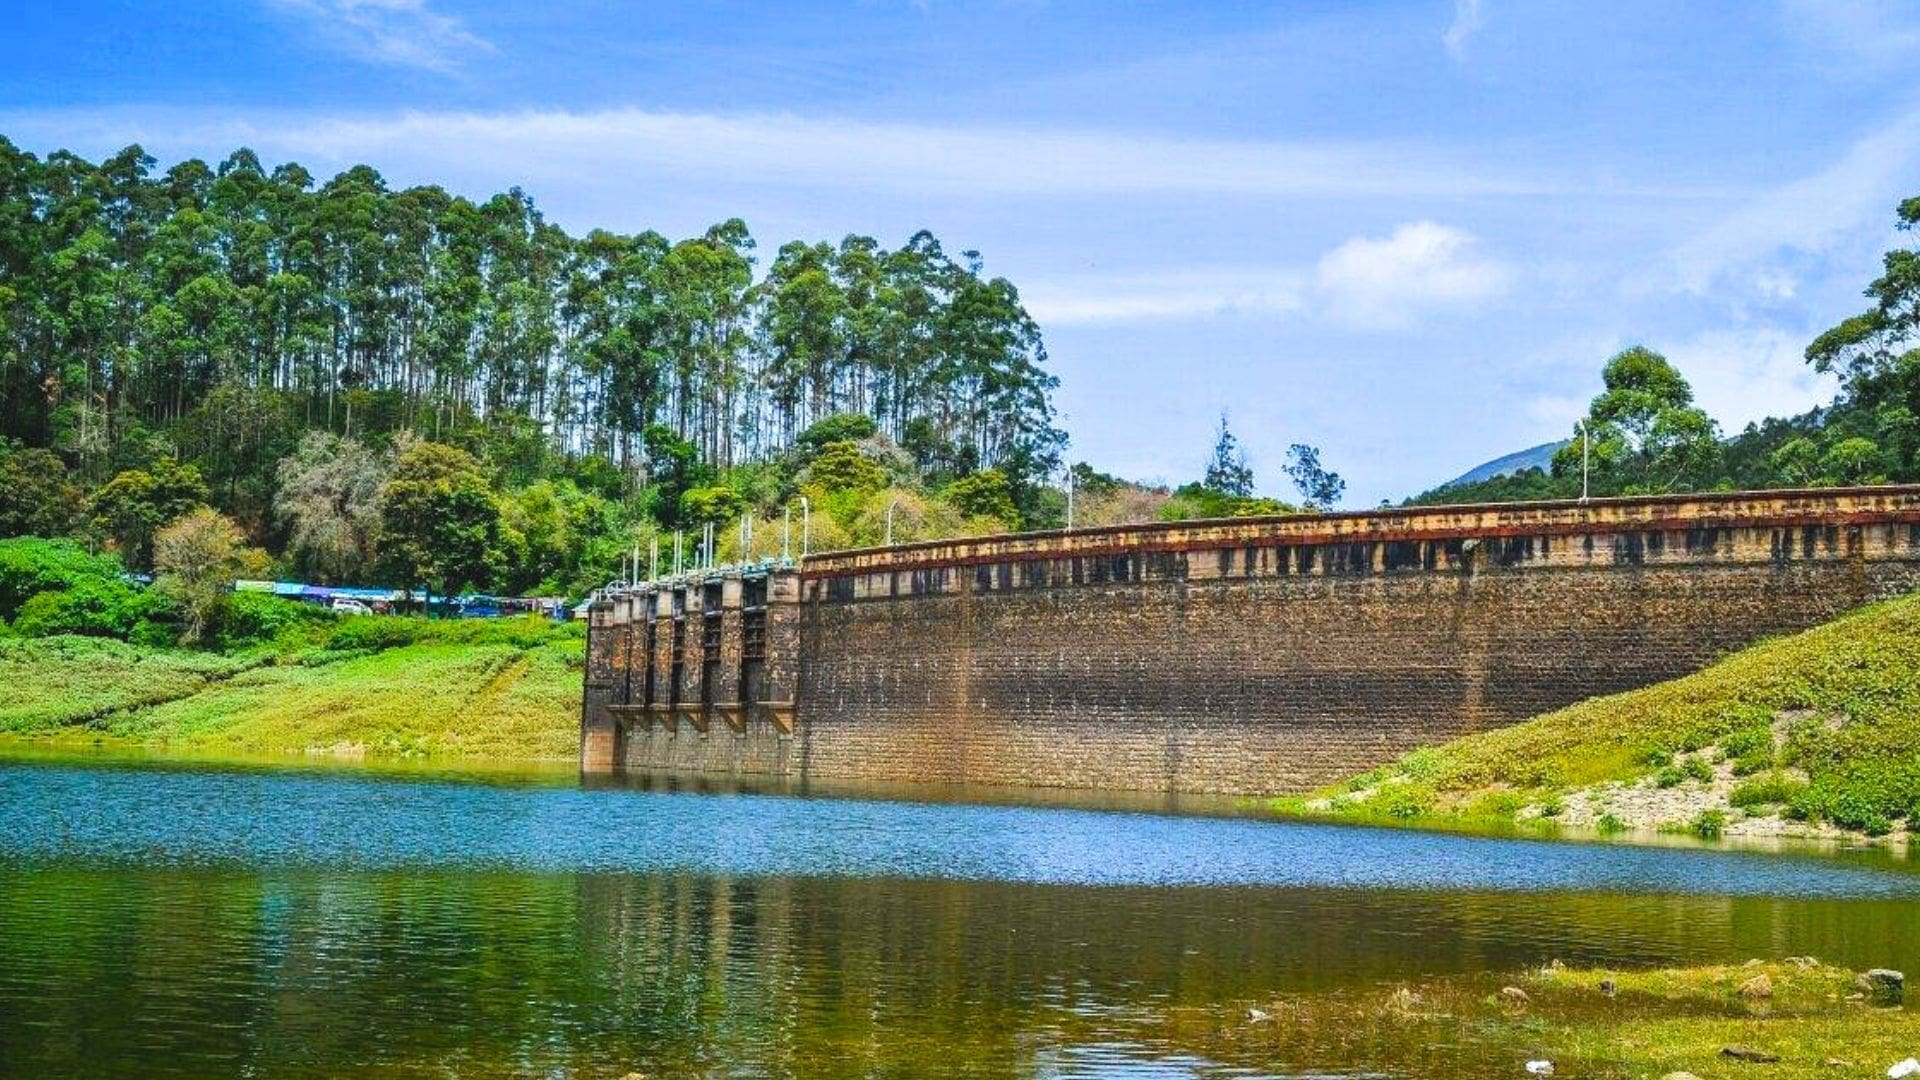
{"x": 93, "y": 607}
{"x": 1756, "y": 762}
{"x": 30, "y": 566}
{"x": 1610, "y": 825}
{"x": 1669, "y": 776}
{"x": 1771, "y": 788}
{"x": 250, "y": 618}
{"x": 1658, "y": 757}
{"x": 1709, "y": 824}
{"x": 1402, "y": 802}
{"x": 1748, "y": 741}
{"x": 1698, "y": 769}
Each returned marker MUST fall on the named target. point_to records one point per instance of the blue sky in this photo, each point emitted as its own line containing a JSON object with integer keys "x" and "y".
{"x": 1409, "y": 232}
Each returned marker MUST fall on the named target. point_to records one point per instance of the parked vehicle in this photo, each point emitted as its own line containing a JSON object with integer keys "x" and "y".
{"x": 344, "y": 606}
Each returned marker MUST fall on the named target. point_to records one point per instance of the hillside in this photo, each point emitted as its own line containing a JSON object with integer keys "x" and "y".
{"x": 494, "y": 698}
{"x": 1533, "y": 457}
{"x": 1817, "y": 733}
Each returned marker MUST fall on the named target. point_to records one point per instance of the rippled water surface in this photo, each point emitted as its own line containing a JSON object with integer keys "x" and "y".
{"x": 205, "y": 922}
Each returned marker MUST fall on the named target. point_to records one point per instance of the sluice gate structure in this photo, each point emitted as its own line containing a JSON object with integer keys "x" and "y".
{"x": 1247, "y": 656}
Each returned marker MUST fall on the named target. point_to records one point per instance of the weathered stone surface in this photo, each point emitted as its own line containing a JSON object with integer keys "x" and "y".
{"x": 1885, "y": 986}
{"x": 1749, "y": 1054}
{"x": 1251, "y": 657}
{"x": 1756, "y": 988}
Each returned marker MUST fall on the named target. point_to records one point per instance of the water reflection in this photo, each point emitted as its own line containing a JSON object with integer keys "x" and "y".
{"x": 234, "y": 946}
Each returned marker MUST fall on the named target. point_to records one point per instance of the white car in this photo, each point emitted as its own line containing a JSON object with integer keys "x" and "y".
{"x": 344, "y": 606}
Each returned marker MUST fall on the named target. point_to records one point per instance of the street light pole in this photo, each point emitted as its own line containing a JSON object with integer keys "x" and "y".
{"x": 890, "y": 507}
{"x": 1069, "y": 498}
{"x": 1585, "y": 443}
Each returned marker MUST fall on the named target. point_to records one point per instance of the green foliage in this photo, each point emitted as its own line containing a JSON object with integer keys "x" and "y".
{"x": 439, "y": 520}
{"x": 29, "y": 566}
{"x": 1709, "y": 824}
{"x": 1847, "y": 695}
{"x": 843, "y": 467}
{"x": 1319, "y": 487}
{"x": 1228, "y": 474}
{"x": 1609, "y": 824}
{"x": 983, "y": 494}
{"x": 710, "y": 505}
{"x": 36, "y": 496}
{"x": 133, "y": 506}
{"x": 1771, "y": 788}
{"x": 92, "y": 607}
{"x": 840, "y": 427}
{"x": 251, "y": 618}
{"x": 1698, "y": 769}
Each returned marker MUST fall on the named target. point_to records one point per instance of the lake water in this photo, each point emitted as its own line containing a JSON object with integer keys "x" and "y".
{"x": 199, "y": 921}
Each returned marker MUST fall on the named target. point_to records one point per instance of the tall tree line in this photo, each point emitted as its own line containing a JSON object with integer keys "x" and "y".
{"x": 223, "y": 309}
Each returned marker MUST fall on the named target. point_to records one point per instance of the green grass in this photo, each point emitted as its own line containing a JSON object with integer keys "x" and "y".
{"x": 1589, "y": 1023}
{"x": 1838, "y": 705}
{"x": 479, "y": 691}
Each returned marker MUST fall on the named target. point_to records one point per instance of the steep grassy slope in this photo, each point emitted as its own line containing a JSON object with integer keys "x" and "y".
{"x": 1822, "y": 727}
{"x": 495, "y": 699}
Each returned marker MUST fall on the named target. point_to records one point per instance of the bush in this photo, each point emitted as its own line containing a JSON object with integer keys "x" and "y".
{"x": 372, "y": 633}
{"x": 30, "y": 566}
{"x": 1709, "y": 824}
{"x": 1748, "y": 741}
{"x": 1402, "y": 802}
{"x": 249, "y": 618}
{"x": 1669, "y": 776}
{"x": 92, "y": 607}
{"x": 1698, "y": 769}
{"x": 1763, "y": 790}
{"x": 1610, "y": 825}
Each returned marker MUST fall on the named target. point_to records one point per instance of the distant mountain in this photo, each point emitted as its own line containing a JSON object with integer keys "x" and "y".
{"x": 1533, "y": 457}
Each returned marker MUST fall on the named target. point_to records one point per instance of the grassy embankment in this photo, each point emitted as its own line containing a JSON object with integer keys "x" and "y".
{"x": 1814, "y": 733}
{"x": 371, "y": 685}
{"x": 1804, "y": 1019}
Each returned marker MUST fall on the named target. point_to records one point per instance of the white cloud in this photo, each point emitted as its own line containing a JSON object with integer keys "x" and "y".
{"x": 1747, "y": 374}
{"x": 627, "y": 145}
{"x": 1813, "y": 215}
{"x": 1176, "y": 294}
{"x": 404, "y": 32}
{"x": 1467, "y": 18}
{"x": 1422, "y": 267}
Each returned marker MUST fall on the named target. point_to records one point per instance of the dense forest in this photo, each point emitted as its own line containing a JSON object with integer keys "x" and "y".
{"x": 331, "y": 364}
{"x": 1643, "y": 434}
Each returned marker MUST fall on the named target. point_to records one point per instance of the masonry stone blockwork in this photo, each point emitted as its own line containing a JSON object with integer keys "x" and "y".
{"x": 1254, "y": 656}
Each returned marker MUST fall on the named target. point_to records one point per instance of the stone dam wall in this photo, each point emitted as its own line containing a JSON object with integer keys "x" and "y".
{"x": 1249, "y": 656}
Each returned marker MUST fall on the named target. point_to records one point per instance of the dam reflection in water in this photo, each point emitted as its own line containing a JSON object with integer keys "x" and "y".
{"x": 158, "y": 957}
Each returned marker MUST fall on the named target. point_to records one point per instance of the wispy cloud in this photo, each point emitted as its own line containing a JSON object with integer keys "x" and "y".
{"x": 403, "y": 32}
{"x": 1392, "y": 282}
{"x": 1386, "y": 283}
{"x": 1809, "y": 215}
{"x": 836, "y": 152}
{"x": 1467, "y": 18}
{"x": 1856, "y": 37}
{"x": 1176, "y": 294}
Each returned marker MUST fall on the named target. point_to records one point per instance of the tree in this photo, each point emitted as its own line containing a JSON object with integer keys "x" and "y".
{"x": 1227, "y": 471}
{"x": 329, "y": 502}
{"x": 1319, "y": 488}
{"x": 1646, "y": 434}
{"x": 196, "y": 560}
{"x": 439, "y": 521}
{"x": 983, "y": 494}
{"x": 36, "y": 496}
{"x": 132, "y": 506}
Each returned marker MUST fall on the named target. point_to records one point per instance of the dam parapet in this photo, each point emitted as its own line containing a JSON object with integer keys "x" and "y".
{"x": 1242, "y": 656}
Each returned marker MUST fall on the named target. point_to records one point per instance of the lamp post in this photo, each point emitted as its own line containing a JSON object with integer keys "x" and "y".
{"x": 786, "y": 533}
{"x": 1585, "y": 442}
{"x": 1069, "y": 498}
{"x": 890, "y": 507}
{"x": 806, "y": 526}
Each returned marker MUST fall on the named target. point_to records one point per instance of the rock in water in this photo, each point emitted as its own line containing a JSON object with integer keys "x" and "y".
{"x": 1749, "y": 1054}
{"x": 1540, "y": 1068}
{"x": 1609, "y": 987}
{"x": 1909, "y": 1067}
{"x": 1757, "y": 988}
{"x": 1513, "y": 995}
